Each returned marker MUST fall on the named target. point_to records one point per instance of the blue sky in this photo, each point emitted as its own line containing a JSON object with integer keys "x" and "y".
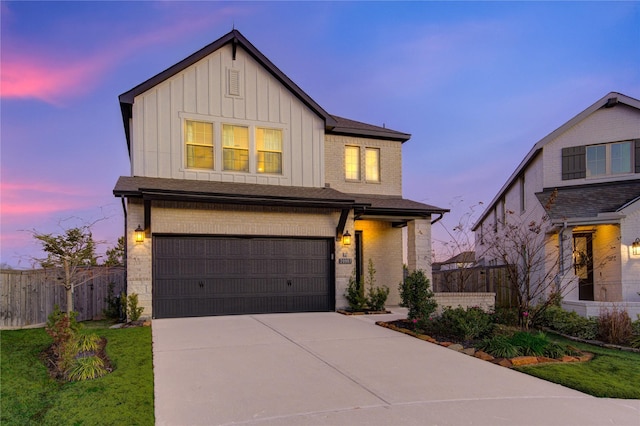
{"x": 475, "y": 83}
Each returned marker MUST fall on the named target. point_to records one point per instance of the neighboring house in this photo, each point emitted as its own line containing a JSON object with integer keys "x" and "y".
{"x": 588, "y": 173}
{"x": 466, "y": 259}
{"x": 251, "y": 198}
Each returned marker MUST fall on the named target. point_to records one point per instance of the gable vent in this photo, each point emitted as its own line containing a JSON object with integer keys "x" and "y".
{"x": 233, "y": 81}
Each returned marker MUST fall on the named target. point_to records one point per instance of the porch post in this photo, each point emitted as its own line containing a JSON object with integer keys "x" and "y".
{"x": 419, "y": 246}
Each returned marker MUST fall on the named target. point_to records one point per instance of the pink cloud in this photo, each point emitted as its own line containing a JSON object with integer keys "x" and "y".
{"x": 29, "y": 199}
{"x": 52, "y": 76}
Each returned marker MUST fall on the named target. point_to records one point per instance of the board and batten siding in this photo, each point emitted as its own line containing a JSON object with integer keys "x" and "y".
{"x": 199, "y": 93}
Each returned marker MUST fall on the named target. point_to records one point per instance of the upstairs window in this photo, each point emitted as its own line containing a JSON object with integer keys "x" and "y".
{"x": 235, "y": 148}
{"x": 587, "y": 161}
{"x": 269, "y": 147}
{"x": 372, "y": 163}
{"x": 198, "y": 138}
{"x": 352, "y": 162}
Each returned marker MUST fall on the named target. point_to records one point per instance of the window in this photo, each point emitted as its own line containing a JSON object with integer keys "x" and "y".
{"x": 352, "y": 162}
{"x": 198, "y": 138}
{"x": 621, "y": 157}
{"x": 609, "y": 159}
{"x": 596, "y": 160}
{"x": 269, "y": 147}
{"x": 372, "y": 164}
{"x": 600, "y": 160}
{"x": 235, "y": 148}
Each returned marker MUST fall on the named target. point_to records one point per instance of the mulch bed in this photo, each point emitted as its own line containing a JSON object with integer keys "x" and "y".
{"x": 51, "y": 361}
{"x": 407, "y": 327}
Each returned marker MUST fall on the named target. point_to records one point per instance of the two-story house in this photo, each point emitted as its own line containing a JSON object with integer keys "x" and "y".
{"x": 582, "y": 181}
{"x": 246, "y": 196}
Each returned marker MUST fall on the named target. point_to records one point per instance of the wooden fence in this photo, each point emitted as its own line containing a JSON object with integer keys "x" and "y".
{"x": 490, "y": 279}
{"x": 28, "y": 297}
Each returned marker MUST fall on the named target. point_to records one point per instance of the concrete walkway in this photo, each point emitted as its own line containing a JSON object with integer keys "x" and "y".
{"x": 330, "y": 369}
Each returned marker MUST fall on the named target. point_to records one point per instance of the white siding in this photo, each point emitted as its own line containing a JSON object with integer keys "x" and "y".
{"x": 605, "y": 125}
{"x": 630, "y": 230}
{"x": 199, "y": 93}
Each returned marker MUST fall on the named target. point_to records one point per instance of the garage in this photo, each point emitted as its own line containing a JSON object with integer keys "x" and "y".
{"x": 207, "y": 275}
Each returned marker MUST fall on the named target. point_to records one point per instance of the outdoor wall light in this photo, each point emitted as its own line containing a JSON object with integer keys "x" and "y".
{"x": 139, "y": 234}
{"x": 635, "y": 247}
{"x": 346, "y": 238}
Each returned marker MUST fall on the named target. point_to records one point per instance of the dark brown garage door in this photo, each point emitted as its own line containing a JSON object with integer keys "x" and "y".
{"x": 202, "y": 276}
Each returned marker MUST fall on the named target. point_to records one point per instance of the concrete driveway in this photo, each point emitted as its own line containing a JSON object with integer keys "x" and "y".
{"x": 330, "y": 369}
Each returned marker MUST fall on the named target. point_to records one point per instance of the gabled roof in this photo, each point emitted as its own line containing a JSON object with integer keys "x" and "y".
{"x": 464, "y": 257}
{"x": 589, "y": 201}
{"x": 236, "y": 39}
{"x": 347, "y": 127}
{"x": 608, "y": 101}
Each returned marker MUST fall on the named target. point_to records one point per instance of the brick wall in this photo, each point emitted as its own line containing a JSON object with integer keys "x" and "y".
{"x": 390, "y": 165}
{"x": 486, "y": 301}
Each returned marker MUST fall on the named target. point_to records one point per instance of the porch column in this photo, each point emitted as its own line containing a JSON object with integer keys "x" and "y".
{"x": 419, "y": 246}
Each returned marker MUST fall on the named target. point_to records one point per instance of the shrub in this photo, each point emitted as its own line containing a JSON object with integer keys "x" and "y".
{"x": 523, "y": 343}
{"x": 114, "y": 309}
{"x": 530, "y": 344}
{"x": 87, "y": 368}
{"x": 499, "y": 346}
{"x": 355, "y": 294}
{"x": 87, "y": 343}
{"x": 506, "y": 316}
{"x": 133, "y": 312}
{"x": 63, "y": 329}
{"x": 569, "y": 323}
{"x": 416, "y": 295}
{"x": 615, "y": 327}
{"x": 464, "y": 324}
{"x": 377, "y": 296}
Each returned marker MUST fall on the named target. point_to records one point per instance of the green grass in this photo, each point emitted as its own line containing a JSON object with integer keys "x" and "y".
{"x": 29, "y": 396}
{"x": 611, "y": 373}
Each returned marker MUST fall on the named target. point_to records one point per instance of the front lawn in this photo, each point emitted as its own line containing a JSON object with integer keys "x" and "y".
{"x": 612, "y": 373}
{"x": 28, "y": 395}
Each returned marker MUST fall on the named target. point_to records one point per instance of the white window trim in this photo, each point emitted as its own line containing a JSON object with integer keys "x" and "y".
{"x": 608, "y": 158}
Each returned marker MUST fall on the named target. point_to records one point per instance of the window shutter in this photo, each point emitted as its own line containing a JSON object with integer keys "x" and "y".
{"x": 574, "y": 163}
{"x": 637, "y": 155}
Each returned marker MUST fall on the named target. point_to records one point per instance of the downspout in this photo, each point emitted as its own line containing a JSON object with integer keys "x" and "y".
{"x": 440, "y": 217}
{"x": 126, "y": 242}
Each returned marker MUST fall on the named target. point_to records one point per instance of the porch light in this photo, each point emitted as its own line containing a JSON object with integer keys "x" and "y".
{"x": 139, "y": 234}
{"x": 635, "y": 247}
{"x": 346, "y": 238}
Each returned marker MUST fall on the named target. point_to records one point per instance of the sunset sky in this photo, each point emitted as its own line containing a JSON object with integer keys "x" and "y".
{"x": 475, "y": 83}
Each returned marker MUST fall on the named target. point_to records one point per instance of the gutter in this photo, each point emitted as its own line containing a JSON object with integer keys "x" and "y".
{"x": 126, "y": 245}
{"x": 436, "y": 220}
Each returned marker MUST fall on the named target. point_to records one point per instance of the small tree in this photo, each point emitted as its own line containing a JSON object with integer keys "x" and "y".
{"x": 115, "y": 255}
{"x": 70, "y": 251}
{"x": 416, "y": 295}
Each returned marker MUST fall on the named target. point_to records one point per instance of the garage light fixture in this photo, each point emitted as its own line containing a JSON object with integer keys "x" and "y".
{"x": 635, "y": 247}
{"x": 346, "y": 238}
{"x": 139, "y": 234}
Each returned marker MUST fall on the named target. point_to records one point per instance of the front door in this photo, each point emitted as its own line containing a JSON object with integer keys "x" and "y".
{"x": 583, "y": 264}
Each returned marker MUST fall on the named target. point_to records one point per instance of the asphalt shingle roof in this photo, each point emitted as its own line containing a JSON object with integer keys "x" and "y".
{"x": 590, "y": 200}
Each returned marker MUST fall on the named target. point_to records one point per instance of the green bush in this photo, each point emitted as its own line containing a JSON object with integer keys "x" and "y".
{"x": 523, "y": 343}
{"x": 115, "y": 308}
{"x": 377, "y": 296}
{"x": 464, "y": 324}
{"x": 355, "y": 294}
{"x": 133, "y": 312}
{"x": 569, "y": 323}
{"x": 416, "y": 295}
{"x": 530, "y": 344}
{"x": 87, "y": 368}
{"x": 499, "y": 346}
{"x": 506, "y": 316}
